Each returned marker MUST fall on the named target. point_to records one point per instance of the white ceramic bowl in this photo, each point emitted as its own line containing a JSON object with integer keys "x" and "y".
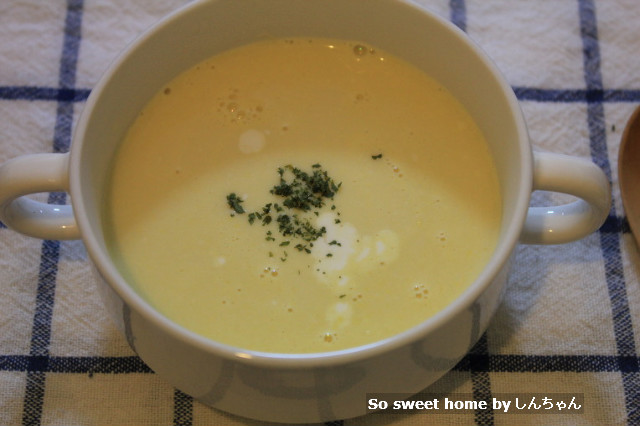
{"x": 309, "y": 387}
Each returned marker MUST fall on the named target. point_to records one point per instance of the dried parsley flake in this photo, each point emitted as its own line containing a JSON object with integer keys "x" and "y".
{"x": 301, "y": 193}
{"x": 235, "y": 203}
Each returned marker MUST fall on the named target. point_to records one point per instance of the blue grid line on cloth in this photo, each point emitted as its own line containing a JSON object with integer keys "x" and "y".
{"x": 523, "y": 93}
{"x": 28, "y": 93}
{"x": 480, "y": 378}
{"x": 50, "y": 252}
{"x": 491, "y": 363}
{"x": 610, "y": 242}
{"x": 577, "y": 95}
{"x": 182, "y": 409}
{"x": 41, "y": 334}
{"x": 481, "y": 381}
{"x": 88, "y": 365}
{"x": 497, "y": 363}
{"x": 478, "y": 361}
{"x": 458, "y": 13}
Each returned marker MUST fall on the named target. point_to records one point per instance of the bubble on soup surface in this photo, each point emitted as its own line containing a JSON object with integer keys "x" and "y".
{"x": 361, "y": 50}
{"x": 328, "y": 337}
{"x": 420, "y": 291}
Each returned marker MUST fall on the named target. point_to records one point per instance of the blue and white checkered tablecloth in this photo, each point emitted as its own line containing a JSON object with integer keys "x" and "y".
{"x": 570, "y": 321}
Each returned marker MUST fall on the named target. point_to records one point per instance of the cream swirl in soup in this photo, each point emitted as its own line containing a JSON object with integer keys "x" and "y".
{"x": 302, "y": 195}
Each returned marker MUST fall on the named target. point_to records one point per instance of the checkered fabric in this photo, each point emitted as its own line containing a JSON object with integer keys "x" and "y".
{"x": 570, "y": 321}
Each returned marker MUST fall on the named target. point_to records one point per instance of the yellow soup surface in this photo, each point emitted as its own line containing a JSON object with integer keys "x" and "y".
{"x": 302, "y": 195}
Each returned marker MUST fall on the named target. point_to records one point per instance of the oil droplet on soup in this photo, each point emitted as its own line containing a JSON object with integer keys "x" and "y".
{"x": 211, "y": 224}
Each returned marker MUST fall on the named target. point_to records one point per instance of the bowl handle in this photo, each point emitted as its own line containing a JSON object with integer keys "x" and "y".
{"x": 30, "y": 174}
{"x": 35, "y": 173}
{"x": 573, "y": 221}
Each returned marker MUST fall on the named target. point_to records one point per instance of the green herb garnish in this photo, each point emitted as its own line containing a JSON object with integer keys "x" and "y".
{"x": 304, "y": 191}
{"x": 301, "y": 193}
{"x": 235, "y": 203}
